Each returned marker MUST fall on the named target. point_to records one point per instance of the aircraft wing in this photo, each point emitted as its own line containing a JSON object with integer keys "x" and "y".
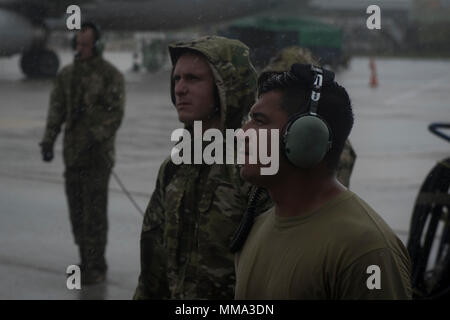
{"x": 25, "y": 24}
{"x": 140, "y": 15}
{"x": 38, "y": 10}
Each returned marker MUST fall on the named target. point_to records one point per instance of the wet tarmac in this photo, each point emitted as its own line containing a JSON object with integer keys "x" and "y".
{"x": 395, "y": 152}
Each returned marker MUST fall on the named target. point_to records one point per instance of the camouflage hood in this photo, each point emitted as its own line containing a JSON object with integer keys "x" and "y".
{"x": 234, "y": 75}
{"x": 286, "y": 57}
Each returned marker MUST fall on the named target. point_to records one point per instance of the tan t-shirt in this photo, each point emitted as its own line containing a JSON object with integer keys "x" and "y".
{"x": 343, "y": 250}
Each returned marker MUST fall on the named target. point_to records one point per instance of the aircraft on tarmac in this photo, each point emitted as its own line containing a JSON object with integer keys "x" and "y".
{"x": 24, "y": 24}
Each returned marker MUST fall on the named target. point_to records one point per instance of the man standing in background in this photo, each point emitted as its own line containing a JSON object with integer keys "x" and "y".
{"x": 88, "y": 98}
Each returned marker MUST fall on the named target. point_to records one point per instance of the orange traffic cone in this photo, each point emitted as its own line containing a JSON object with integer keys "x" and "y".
{"x": 373, "y": 74}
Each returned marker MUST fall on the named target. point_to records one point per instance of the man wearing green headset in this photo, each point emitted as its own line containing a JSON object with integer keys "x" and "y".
{"x": 282, "y": 61}
{"x": 320, "y": 240}
{"x": 88, "y": 97}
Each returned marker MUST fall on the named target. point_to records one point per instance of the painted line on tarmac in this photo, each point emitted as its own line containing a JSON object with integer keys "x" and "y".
{"x": 25, "y": 177}
{"x": 416, "y": 91}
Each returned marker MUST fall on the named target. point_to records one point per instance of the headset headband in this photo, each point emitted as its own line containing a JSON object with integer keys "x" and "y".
{"x": 315, "y": 92}
{"x": 314, "y": 78}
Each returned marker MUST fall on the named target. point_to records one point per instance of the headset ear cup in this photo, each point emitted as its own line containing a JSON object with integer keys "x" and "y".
{"x": 306, "y": 141}
{"x": 99, "y": 46}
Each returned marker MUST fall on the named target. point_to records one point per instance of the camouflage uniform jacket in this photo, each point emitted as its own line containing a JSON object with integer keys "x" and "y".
{"x": 88, "y": 97}
{"x": 195, "y": 209}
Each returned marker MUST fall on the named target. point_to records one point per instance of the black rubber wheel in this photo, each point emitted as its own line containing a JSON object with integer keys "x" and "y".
{"x": 48, "y": 63}
{"x": 39, "y": 63}
{"x": 28, "y": 63}
{"x": 431, "y": 211}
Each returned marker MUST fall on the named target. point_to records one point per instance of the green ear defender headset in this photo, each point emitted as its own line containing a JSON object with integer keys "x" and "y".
{"x": 98, "y": 43}
{"x": 306, "y": 137}
{"x": 305, "y": 140}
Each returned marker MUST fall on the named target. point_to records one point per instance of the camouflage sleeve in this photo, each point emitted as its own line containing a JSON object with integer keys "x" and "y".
{"x": 346, "y": 163}
{"x": 56, "y": 112}
{"x": 113, "y": 102}
{"x": 153, "y": 282}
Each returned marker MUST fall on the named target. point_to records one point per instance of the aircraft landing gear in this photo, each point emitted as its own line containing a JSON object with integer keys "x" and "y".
{"x": 39, "y": 62}
{"x": 430, "y": 231}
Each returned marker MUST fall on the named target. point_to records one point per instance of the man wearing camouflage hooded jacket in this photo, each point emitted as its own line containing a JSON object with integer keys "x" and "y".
{"x": 283, "y": 61}
{"x": 195, "y": 209}
{"x": 88, "y": 97}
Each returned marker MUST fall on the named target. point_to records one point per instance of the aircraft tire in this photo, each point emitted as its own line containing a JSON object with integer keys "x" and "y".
{"x": 38, "y": 63}
{"x": 431, "y": 211}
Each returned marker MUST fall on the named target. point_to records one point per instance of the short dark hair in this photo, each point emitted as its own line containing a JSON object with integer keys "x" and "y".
{"x": 334, "y": 106}
{"x": 94, "y": 27}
